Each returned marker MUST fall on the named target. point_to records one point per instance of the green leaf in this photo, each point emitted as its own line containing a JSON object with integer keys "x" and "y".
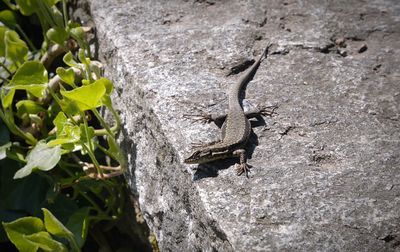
{"x": 3, "y": 150}
{"x": 86, "y": 97}
{"x": 66, "y": 131}
{"x": 60, "y": 120}
{"x": 41, "y": 157}
{"x": 8, "y": 18}
{"x": 78, "y": 223}
{"x": 77, "y": 33}
{"x": 107, "y": 84}
{"x": 58, "y": 35}
{"x": 20, "y": 228}
{"x": 26, "y": 107}
{"x": 32, "y": 77}
{"x": 7, "y": 97}
{"x": 82, "y": 57}
{"x": 16, "y": 49}
{"x": 44, "y": 241}
{"x": 68, "y": 76}
{"x": 27, "y": 7}
{"x": 69, "y": 60}
{"x": 87, "y": 135}
{"x": 3, "y": 30}
{"x": 54, "y": 226}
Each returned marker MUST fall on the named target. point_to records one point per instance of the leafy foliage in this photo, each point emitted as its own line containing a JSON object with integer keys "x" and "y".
{"x": 54, "y": 144}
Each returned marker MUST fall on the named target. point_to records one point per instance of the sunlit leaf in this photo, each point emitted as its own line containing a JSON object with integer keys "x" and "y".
{"x": 16, "y": 49}
{"x": 66, "y": 75}
{"x": 86, "y": 97}
{"x": 58, "y": 35}
{"x": 66, "y": 131}
{"x": 32, "y": 77}
{"x": 69, "y": 60}
{"x": 7, "y": 96}
{"x": 41, "y": 157}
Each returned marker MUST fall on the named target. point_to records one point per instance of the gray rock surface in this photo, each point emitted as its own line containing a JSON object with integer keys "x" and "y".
{"x": 326, "y": 169}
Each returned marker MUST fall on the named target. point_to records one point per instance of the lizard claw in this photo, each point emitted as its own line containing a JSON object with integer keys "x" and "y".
{"x": 243, "y": 168}
{"x": 203, "y": 118}
{"x": 268, "y": 110}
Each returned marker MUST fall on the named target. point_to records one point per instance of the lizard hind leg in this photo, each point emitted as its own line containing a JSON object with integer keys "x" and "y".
{"x": 242, "y": 167}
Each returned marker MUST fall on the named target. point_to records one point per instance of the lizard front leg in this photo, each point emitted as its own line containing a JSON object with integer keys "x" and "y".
{"x": 220, "y": 118}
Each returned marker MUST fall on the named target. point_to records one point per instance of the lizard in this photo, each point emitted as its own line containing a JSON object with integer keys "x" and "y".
{"x": 236, "y": 128}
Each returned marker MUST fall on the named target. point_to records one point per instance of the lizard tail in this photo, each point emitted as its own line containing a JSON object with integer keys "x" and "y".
{"x": 265, "y": 53}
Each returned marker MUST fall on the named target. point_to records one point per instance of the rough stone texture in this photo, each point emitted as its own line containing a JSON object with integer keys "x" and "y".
{"x": 326, "y": 170}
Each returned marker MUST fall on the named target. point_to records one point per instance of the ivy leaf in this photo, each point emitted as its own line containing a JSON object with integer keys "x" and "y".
{"x": 3, "y": 150}
{"x": 78, "y": 223}
{"x": 66, "y": 131}
{"x": 66, "y": 75}
{"x": 18, "y": 229}
{"x": 27, "y": 7}
{"x": 26, "y": 107}
{"x": 58, "y": 35}
{"x": 41, "y": 157}
{"x": 44, "y": 241}
{"x": 86, "y": 97}
{"x": 8, "y": 18}
{"x": 69, "y": 60}
{"x": 7, "y": 97}
{"x": 16, "y": 49}
{"x": 55, "y": 227}
{"x": 2, "y": 38}
{"x": 32, "y": 77}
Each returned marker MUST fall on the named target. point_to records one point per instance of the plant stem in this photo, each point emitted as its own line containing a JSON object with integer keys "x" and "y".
{"x": 5, "y": 68}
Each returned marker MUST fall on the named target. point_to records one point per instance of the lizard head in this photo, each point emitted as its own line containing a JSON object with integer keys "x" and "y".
{"x": 198, "y": 157}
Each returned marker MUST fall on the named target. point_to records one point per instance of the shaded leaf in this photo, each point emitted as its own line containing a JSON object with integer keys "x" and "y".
{"x": 26, "y": 107}
{"x": 78, "y": 223}
{"x": 18, "y": 229}
{"x": 27, "y": 7}
{"x": 54, "y": 226}
{"x": 42, "y": 157}
{"x": 8, "y": 18}
{"x": 3, "y": 150}
{"x": 2, "y": 43}
{"x": 44, "y": 241}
